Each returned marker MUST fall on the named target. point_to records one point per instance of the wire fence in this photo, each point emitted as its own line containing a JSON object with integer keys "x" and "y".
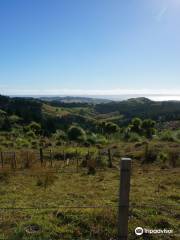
{"x": 73, "y": 166}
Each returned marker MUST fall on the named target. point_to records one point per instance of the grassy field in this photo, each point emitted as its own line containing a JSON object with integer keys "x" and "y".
{"x": 41, "y": 203}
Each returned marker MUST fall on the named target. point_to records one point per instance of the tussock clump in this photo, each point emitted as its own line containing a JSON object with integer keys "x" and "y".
{"x": 174, "y": 158}
{"x": 4, "y": 176}
{"x": 46, "y": 179}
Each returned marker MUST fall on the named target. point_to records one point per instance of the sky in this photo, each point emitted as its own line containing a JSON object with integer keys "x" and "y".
{"x": 90, "y": 47}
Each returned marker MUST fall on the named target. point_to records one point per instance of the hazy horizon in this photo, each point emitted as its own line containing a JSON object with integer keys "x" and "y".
{"x": 108, "y": 97}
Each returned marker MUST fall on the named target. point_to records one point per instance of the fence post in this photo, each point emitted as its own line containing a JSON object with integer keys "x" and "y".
{"x": 77, "y": 162}
{"x": 124, "y": 198}
{"x": 2, "y": 160}
{"x": 51, "y": 158}
{"x": 41, "y": 156}
{"x": 14, "y": 160}
{"x": 27, "y": 165}
{"x": 64, "y": 158}
{"x": 109, "y": 158}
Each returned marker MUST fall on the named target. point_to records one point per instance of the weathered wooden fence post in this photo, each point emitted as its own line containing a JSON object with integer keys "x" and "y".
{"x": 125, "y": 175}
{"x": 27, "y": 164}
{"x": 2, "y": 160}
{"x": 51, "y": 158}
{"x": 41, "y": 156}
{"x": 64, "y": 158}
{"x": 14, "y": 160}
{"x": 77, "y": 162}
{"x": 109, "y": 158}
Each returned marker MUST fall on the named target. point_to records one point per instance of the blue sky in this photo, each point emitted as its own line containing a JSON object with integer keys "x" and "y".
{"x": 89, "y": 47}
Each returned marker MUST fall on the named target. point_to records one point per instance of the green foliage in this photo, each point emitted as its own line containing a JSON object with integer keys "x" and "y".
{"x": 163, "y": 157}
{"x": 110, "y": 128}
{"x": 21, "y": 142}
{"x": 178, "y": 135}
{"x": 167, "y": 136}
{"x": 102, "y": 161}
{"x": 174, "y": 157}
{"x": 14, "y": 119}
{"x": 148, "y": 127}
{"x": 134, "y": 137}
{"x": 46, "y": 179}
{"x": 150, "y": 153}
{"x": 145, "y": 127}
{"x": 76, "y": 133}
{"x": 142, "y": 108}
{"x": 4, "y": 121}
{"x": 136, "y": 124}
{"x": 35, "y": 127}
{"x": 4, "y": 176}
{"x": 31, "y": 134}
{"x": 60, "y": 135}
{"x": 96, "y": 139}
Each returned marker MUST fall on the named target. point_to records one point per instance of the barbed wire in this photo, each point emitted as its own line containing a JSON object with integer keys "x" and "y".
{"x": 175, "y": 206}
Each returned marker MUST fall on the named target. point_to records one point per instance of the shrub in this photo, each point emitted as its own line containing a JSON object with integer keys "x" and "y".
{"x": 134, "y": 137}
{"x": 136, "y": 125}
{"x": 7, "y": 144}
{"x": 96, "y": 139}
{"x": 150, "y": 154}
{"x": 101, "y": 161}
{"x": 33, "y": 126}
{"x": 178, "y": 135}
{"x": 162, "y": 157}
{"x": 148, "y": 127}
{"x": 91, "y": 170}
{"x": 111, "y": 128}
{"x": 76, "y": 133}
{"x": 167, "y": 136}
{"x": 14, "y": 119}
{"x": 92, "y": 139}
{"x": 4, "y": 176}
{"x": 22, "y": 142}
{"x": 46, "y": 180}
{"x": 60, "y": 135}
{"x": 31, "y": 134}
{"x": 174, "y": 157}
{"x": 34, "y": 143}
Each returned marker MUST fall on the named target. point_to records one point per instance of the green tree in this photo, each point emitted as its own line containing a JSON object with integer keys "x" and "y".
{"x": 136, "y": 125}
{"x": 148, "y": 127}
{"x": 111, "y": 128}
{"x": 35, "y": 127}
{"x": 14, "y": 119}
{"x": 4, "y": 121}
{"x": 76, "y": 133}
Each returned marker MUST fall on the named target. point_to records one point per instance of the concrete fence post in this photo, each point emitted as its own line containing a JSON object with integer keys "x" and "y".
{"x": 125, "y": 174}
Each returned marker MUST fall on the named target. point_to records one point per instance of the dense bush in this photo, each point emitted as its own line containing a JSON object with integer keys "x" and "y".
{"x": 31, "y": 134}
{"x": 134, "y": 137}
{"x": 76, "y": 133}
{"x": 167, "y": 136}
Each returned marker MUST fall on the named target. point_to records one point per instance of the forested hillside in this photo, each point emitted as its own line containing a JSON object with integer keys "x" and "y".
{"x": 144, "y": 108}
